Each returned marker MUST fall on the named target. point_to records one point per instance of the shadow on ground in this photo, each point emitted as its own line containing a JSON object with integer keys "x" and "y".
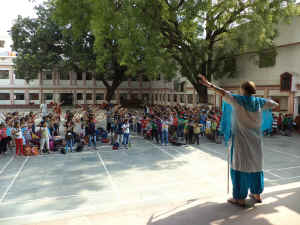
{"x": 280, "y": 208}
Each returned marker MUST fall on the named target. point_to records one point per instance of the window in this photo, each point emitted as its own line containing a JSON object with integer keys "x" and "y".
{"x": 79, "y": 76}
{"x": 182, "y": 86}
{"x": 267, "y": 58}
{"x": 175, "y": 98}
{"x": 100, "y": 96}
{"x": 48, "y": 75}
{"x": 64, "y": 76}
{"x": 169, "y": 97}
{"x": 190, "y": 99}
{"x": 89, "y": 96}
{"x": 4, "y": 74}
{"x": 48, "y": 96}
{"x": 89, "y": 76}
{"x": 19, "y": 96}
{"x": 4, "y": 96}
{"x": 182, "y": 98}
{"x": 123, "y": 96}
{"x": 176, "y": 86}
{"x": 33, "y": 96}
{"x": 79, "y": 96}
{"x": 285, "y": 82}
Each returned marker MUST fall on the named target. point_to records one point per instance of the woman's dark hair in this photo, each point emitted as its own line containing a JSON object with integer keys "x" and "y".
{"x": 249, "y": 87}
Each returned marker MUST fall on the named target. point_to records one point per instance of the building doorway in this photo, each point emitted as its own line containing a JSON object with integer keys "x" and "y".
{"x": 67, "y": 99}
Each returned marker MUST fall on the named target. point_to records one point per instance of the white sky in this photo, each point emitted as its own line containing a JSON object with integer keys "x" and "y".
{"x": 10, "y": 9}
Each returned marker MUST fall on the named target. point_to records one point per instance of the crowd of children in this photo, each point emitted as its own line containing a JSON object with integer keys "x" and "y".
{"x": 162, "y": 124}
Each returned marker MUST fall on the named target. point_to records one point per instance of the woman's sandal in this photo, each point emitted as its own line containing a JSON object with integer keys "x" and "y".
{"x": 252, "y": 196}
{"x": 236, "y": 202}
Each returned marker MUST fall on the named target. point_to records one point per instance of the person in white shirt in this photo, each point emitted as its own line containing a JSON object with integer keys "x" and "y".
{"x": 165, "y": 128}
{"x": 45, "y": 137}
{"x": 44, "y": 110}
{"x": 126, "y": 132}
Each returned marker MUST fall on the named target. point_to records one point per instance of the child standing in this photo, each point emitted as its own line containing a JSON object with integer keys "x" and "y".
{"x": 45, "y": 138}
{"x": 126, "y": 132}
{"x": 18, "y": 139}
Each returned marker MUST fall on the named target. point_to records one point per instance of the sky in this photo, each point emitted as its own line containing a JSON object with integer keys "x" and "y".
{"x": 10, "y": 9}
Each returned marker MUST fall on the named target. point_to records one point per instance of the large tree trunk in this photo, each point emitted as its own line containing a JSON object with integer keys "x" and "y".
{"x": 111, "y": 89}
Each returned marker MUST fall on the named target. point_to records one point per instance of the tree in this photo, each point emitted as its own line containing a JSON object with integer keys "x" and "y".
{"x": 37, "y": 41}
{"x": 121, "y": 45}
{"x": 204, "y": 36}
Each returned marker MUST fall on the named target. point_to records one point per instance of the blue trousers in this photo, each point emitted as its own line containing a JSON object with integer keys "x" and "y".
{"x": 243, "y": 181}
{"x": 164, "y": 137}
{"x": 92, "y": 138}
{"x": 69, "y": 144}
{"x": 125, "y": 139}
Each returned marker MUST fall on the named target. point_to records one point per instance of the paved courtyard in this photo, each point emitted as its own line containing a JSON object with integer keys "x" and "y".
{"x": 145, "y": 178}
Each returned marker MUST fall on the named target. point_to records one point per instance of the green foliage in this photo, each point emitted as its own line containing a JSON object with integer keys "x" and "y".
{"x": 202, "y": 35}
{"x": 38, "y": 43}
{"x": 267, "y": 58}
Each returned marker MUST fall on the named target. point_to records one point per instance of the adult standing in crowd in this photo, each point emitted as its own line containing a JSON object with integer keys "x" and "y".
{"x": 246, "y": 152}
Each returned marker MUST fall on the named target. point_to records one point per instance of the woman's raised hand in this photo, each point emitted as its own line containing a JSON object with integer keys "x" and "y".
{"x": 203, "y": 80}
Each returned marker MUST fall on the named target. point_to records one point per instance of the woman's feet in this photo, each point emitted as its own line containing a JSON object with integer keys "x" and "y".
{"x": 257, "y": 198}
{"x": 238, "y": 202}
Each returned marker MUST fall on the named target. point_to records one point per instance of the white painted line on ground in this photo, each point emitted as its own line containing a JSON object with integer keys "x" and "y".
{"x": 284, "y": 178}
{"x": 273, "y": 174}
{"x": 7, "y": 164}
{"x": 14, "y": 180}
{"x": 279, "y": 169}
{"x": 212, "y": 151}
{"x": 283, "y": 153}
{"x": 162, "y": 150}
{"x": 114, "y": 187}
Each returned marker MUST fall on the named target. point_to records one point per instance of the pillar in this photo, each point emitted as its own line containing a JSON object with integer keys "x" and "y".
{"x": 12, "y": 97}
{"x": 291, "y": 103}
{"x": 11, "y": 77}
{"x": 40, "y": 76}
{"x": 26, "y": 96}
{"x": 266, "y": 93}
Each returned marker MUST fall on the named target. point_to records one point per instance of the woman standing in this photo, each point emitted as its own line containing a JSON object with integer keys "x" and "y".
{"x": 246, "y": 151}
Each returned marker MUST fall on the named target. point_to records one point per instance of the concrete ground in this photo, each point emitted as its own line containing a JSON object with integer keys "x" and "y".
{"x": 147, "y": 184}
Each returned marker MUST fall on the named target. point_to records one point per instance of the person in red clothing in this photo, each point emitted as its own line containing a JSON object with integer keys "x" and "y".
{"x": 144, "y": 123}
{"x": 3, "y": 139}
{"x": 19, "y": 139}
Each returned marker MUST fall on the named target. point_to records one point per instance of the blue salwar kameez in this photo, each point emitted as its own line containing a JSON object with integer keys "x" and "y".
{"x": 243, "y": 121}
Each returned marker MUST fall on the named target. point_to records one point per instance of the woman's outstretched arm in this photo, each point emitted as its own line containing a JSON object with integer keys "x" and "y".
{"x": 206, "y": 83}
